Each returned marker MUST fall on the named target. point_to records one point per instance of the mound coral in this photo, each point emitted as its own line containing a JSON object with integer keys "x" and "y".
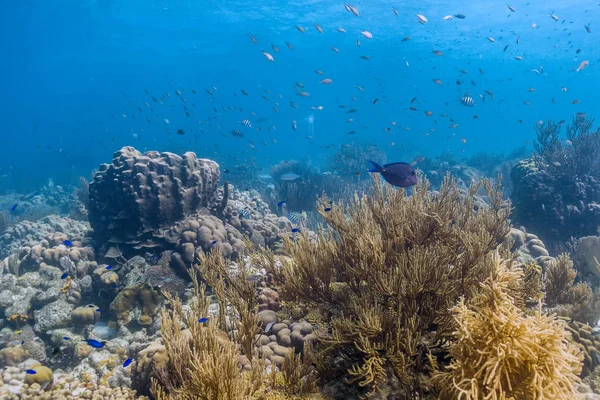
{"x": 123, "y": 307}
{"x": 141, "y": 193}
{"x": 502, "y": 353}
{"x": 385, "y": 273}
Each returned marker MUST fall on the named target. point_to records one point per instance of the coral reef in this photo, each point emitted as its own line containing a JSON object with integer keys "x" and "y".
{"x": 61, "y": 386}
{"x": 587, "y": 256}
{"x": 202, "y": 361}
{"x": 30, "y": 233}
{"x": 199, "y": 359}
{"x": 562, "y": 295}
{"x": 587, "y": 339}
{"x": 354, "y": 157}
{"x": 125, "y": 305}
{"x": 435, "y": 169}
{"x": 536, "y": 362}
{"x": 385, "y": 300}
{"x": 529, "y": 247}
{"x": 557, "y": 192}
{"x": 384, "y": 275}
{"x": 81, "y": 203}
{"x": 300, "y": 194}
{"x": 139, "y": 194}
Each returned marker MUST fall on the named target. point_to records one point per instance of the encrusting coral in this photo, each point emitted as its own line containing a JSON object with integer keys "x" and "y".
{"x": 385, "y": 273}
{"x": 502, "y": 353}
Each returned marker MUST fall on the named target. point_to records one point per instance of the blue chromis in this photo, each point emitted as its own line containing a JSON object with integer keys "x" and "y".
{"x": 213, "y": 242}
{"x": 31, "y": 371}
{"x": 202, "y": 320}
{"x": 14, "y": 207}
{"x": 327, "y": 209}
{"x": 295, "y": 230}
{"x": 95, "y": 344}
{"x": 66, "y": 338}
{"x": 127, "y": 362}
{"x": 109, "y": 267}
{"x": 64, "y": 276}
{"x": 67, "y": 243}
{"x": 281, "y": 203}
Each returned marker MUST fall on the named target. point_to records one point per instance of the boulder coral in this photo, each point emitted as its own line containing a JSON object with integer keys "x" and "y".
{"x": 85, "y": 315}
{"x": 138, "y": 300}
{"x": 139, "y": 194}
{"x": 43, "y": 376}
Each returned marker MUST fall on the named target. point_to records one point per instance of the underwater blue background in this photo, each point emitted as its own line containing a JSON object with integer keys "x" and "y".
{"x": 73, "y": 73}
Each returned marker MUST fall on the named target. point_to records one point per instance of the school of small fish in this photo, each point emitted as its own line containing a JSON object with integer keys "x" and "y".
{"x": 257, "y": 114}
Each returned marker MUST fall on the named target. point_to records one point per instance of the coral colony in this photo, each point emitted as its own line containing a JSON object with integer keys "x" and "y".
{"x": 184, "y": 287}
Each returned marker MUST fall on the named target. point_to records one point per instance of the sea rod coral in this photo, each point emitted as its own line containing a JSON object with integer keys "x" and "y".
{"x": 384, "y": 275}
{"x": 503, "y": 353}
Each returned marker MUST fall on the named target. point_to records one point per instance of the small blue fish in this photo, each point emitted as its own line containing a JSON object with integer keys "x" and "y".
{"x": 202, "y": 320}
{"x": 213, "y": 242}
{"x": 30, "y": 371}
{"x": 68, "y": 243}
{"x": 327, "y": 209}
{"x": 295, "y": 230}
{"x": 13, "y": 208}
{"x": 91, "y": 305}
{"x": 127, "y": 362}
{"x": 98, "y": 310}
{"x": 281, "y": 203}
{"x": 95, "y": 344}
{"x": 154, "y": 257}
{"x": 66, "y": 338}
{"x": 109, "y": 267}
{"x": 64, "y": 276}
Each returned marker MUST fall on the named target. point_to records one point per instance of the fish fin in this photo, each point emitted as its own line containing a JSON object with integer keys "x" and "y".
{"x": 376, "y": 167}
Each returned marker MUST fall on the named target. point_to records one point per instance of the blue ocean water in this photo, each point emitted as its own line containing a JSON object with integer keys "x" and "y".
{"x": 75, "y": 74}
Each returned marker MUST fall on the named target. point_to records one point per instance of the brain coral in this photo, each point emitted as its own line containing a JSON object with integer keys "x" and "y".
{"x": 138, "y": 194}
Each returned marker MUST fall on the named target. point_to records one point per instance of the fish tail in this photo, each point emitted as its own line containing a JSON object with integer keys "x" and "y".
{"x": 376, "y": 167}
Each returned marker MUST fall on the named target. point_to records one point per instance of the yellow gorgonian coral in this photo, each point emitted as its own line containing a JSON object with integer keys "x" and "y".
{"x": 502, "y": 353}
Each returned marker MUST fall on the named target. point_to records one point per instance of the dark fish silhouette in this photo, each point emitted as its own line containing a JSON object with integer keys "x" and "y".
{"x": 398, "y": 174}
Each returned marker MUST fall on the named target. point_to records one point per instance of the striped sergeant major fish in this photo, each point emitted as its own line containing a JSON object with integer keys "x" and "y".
{"x": 245, "y": 213}
{"x": 467, "y": 101}
{"x": 296, "y": 218}
{"x": 246, "y": 123}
